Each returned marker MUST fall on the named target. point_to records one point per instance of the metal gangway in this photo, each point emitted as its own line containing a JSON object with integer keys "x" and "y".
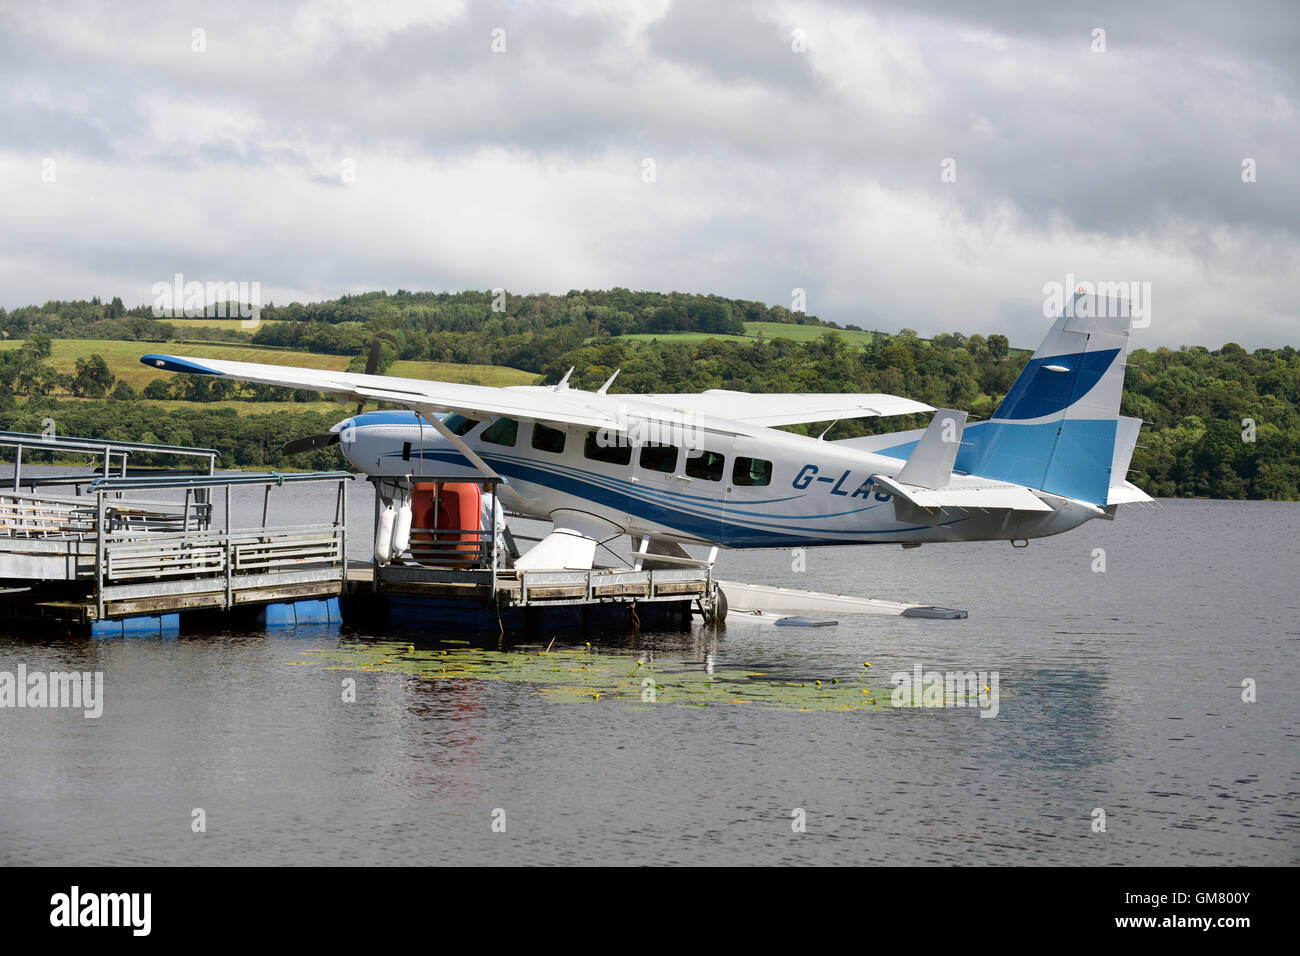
{"x": 122, "y": 542}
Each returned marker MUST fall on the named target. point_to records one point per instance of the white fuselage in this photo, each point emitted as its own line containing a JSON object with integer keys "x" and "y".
{"x": 722, "y": 483}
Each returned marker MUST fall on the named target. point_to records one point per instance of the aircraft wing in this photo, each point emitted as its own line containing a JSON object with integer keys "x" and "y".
{"x": 786, "y": 408}
{"x": 541, "y": 403}
{"x": 473, "y": 401}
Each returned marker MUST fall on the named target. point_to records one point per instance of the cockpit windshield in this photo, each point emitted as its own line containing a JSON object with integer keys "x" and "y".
{"x": 458, "y": 424}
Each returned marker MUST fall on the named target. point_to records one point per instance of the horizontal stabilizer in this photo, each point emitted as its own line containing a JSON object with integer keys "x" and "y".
{"x": 1127, "y": 494}
{"x": 993, "y": 495}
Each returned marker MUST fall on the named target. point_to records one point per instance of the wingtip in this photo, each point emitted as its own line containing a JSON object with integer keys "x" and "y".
{"x": 171, "y": 363}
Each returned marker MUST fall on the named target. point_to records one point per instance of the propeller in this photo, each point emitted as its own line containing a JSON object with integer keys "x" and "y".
{"x": 296, "y": 446}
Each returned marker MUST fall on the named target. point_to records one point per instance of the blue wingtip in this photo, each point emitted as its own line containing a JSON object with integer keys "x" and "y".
{"x": 170, "y": 363}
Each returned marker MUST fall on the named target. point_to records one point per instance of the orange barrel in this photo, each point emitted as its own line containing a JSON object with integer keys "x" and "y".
{"x": 454, "y": 505}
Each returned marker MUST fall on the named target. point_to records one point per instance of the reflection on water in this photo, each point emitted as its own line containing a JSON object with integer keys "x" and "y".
{"x": 1119, "y": 690}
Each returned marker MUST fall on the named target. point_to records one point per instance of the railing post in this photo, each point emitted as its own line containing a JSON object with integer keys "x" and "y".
{"x": 374, "y": 559}
{"x": 343, "y": 533}
{"x": 492, "y": 543}
{"x": 18, "y": 468}
{"x": 99, "y": 556}
{"x": 229, "y": 552}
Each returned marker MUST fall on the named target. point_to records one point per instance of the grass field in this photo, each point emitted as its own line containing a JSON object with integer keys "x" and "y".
{"x": 221, "y": 323}
{"x": 753, "y": 330}
{"x": 805, "y": 333}
{"x": 689, "y": 338}
{"x": 496, "y": 375}
{"x": 247, "y": 408}
{"x": 123, "y": 358}
{"x": 776, "y": 330}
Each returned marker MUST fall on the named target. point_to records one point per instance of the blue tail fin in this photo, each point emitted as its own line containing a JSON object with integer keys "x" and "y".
{"x": 1055, "y": 430}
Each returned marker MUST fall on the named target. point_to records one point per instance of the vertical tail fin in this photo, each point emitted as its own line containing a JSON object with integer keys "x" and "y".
{"x": 1056, "y": 429}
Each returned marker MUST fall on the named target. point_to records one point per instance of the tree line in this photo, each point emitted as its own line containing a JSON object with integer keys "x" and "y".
{"x": 480, "y": 328}
{"x": 1221, "y": 422}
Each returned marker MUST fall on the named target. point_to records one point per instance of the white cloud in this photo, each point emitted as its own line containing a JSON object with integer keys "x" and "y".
{"x": 774, "y": 169}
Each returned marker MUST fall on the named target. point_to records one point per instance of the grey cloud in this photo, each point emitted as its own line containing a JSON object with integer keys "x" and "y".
{"x": 728, "y": 42}
{"x": 1141, "y": 144}
{"x": 1258, "y": 31}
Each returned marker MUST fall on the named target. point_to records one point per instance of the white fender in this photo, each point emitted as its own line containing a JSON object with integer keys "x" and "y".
{"x": 384, "y": 533}
{"x": 402, "y": 525}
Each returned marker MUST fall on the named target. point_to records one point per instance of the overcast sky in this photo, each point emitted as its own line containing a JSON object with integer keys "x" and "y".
{"x": 794, "y": 145}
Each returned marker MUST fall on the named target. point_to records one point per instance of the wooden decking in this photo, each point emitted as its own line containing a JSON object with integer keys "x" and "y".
{"x": 531, "y": 588}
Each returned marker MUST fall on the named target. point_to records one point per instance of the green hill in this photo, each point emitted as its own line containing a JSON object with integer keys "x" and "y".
{"x": 1222, "y": 422}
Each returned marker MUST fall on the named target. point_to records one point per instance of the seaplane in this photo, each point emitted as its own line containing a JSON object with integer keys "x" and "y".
{"x": 715, "y": 469}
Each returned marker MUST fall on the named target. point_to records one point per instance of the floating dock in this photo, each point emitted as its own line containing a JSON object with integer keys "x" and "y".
{"x": 152, "y": 550}
{"x": 528, "y": 602}
{"x": 124, "y": 550}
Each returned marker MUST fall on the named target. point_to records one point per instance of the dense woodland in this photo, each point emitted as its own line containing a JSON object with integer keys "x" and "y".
{"x": 1223, "y": 423}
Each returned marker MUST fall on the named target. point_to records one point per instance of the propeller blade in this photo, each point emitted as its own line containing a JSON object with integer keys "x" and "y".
{"x": 376, "y": 352}
{"x": 297, "y": 446}
{"x": 372, "y": 362}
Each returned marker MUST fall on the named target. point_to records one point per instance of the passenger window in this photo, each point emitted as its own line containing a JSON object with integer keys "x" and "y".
{"x": 546, "y": 438}
{"x": 611, "y": 454}
{"x": 659, "y": 457}
{"x": 503, "y": 431}
{"x": 707, "y": 465}
{"x": 751, "y": 472}
{"x": 458, "y": 424}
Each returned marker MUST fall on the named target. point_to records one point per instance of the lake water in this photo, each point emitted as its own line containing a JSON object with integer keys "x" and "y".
{"x": 1119, "y": 690}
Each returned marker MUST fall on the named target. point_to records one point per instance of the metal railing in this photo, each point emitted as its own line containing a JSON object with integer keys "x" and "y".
{"x": 115, "y": 455}
{"x": 29, "y": 516}
{"x": 433, "y": 548}
{"x": 127, "y": 554}
{"x": 131, "y": 557}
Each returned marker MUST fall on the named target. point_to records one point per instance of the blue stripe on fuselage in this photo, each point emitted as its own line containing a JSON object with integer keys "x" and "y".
{"x": 703, "y": 527}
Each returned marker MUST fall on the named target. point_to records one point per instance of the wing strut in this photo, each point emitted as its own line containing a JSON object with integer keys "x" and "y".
{"x": 509, "y": 497}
